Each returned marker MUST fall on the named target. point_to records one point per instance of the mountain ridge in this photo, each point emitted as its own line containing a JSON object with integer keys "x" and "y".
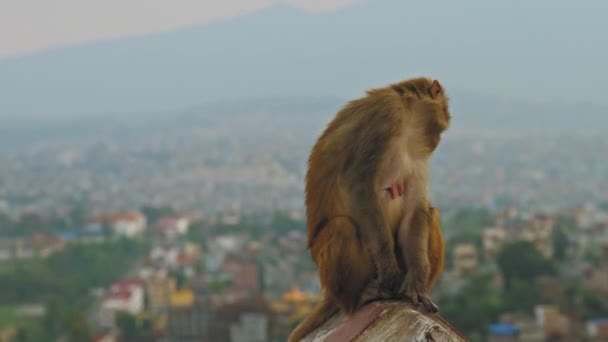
{"x": 473, "y": 116}
{"x": 281, "y": 51}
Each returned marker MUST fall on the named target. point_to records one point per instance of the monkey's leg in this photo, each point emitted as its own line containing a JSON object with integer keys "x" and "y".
{"x": 373, "y": 217}
{"x": 380, "y": 243}
{"x": 414, "y": 240}
{"x": 345, "y": 266}
{"x": 436, "y": 251}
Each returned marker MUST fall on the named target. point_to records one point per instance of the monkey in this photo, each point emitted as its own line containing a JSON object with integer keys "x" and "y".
{"x": 371, "y": 229}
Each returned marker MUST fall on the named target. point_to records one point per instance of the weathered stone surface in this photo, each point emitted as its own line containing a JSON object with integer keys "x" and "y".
{"x": 386, "y": 321}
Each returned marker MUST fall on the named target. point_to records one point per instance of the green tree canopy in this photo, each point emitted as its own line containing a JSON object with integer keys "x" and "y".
{"x": 522, "y": 261}
{"x": 78, "y": 330}
{"x": 476, "y": 305}
{"x": 127, "y": 324}
{"x": 560, "y": 243}
{"x": 154, "y": 213}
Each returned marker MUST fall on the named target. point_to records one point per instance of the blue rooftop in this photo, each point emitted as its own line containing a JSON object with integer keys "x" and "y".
{"x": 599, "y": 320}
{"x": 88, "y": 231}
{"x": 68, "y": 236}
{"x": 93, "y": 227}
{"x": 503, "y": 329}
{"x": 92, "y": 233}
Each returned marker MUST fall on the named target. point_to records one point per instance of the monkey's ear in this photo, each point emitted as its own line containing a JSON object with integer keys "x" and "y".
{"x": 436, "y": 89}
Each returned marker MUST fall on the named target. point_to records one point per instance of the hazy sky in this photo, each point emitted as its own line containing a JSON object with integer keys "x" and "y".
{"x": 541, "y": 51}
{"x": 30, "y": 25}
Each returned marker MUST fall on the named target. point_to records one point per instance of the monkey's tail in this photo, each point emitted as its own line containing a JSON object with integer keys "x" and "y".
{"x": 321, "y": 314}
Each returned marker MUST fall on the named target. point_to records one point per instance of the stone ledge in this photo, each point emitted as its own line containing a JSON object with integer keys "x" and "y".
{"x": 386, "y": 321}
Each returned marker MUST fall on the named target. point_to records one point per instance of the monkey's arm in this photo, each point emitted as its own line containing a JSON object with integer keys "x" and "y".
{"x": 389, "y": 173}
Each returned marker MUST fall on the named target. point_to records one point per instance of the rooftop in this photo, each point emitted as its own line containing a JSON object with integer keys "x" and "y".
{"x": 503, "y": 329}
{"x": 184, "y": 297}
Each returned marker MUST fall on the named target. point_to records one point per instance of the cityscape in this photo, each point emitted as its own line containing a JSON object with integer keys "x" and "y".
{"x": 200, "y": 236}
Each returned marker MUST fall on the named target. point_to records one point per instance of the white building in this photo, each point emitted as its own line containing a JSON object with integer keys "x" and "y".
{"x": 125, "y": 295}
{"x": 171, "y": 227}
{"x": 128, "y": 224}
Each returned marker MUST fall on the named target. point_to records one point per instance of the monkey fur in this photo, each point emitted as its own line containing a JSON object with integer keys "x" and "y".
{"x": 371, "y": 229}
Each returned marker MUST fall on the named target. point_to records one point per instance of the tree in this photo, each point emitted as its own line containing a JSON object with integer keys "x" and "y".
{"x": 127, "y": 324}
{"x": 594, "y": 305}
{"x": 5, "y": 225}
{"x": 591, "y": 256}
{"x": 519, "y": 297}
{"x": 474, "y": 307}
{"x": 77, "y": 216}
{"x": 282, "y": 223}
{"x": 216, "y": 285}
{"x": 154, "y": 213}
{"x": 77, "y": 329}
{"x": 196, "y": 233}
{"x": 179, "y": 276}
{"x": 30, "y": 223}
{"x": 21, "y": 335}
{"x": 521, "y": 260}
{"x": 106, "y": 230}
{"x": 51, "y": 323}
{"x": 560, "y": 243}
{"x": 466, "y": 225}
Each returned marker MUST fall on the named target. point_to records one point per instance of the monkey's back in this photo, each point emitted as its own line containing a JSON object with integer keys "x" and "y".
{"x": 322, "y": 191}
{"x": 343, "y": 160}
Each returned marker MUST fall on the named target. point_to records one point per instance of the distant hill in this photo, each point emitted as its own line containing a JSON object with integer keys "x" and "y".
{"x": 472, "y": 113}
{"x": 524, "y": 50}
{"x": 304, "y": 118}
{"x": 490, "y": 115}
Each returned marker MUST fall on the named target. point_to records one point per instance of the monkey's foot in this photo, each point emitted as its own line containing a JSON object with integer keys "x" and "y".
{"x": 412, "y": 289}
{"x": 396, "y": 189}
{"x": 420, "y": 299}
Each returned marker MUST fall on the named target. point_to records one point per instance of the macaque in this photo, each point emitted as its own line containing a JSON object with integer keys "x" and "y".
{"x": 371, "y": 229}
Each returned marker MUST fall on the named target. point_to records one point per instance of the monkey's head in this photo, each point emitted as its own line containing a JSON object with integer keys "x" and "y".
{"x": 429, "y": 104}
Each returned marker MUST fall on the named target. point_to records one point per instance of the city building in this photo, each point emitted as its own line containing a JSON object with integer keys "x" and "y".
{"x": 465, "y": 259}
{"x": 597, "y": 329}
{"x": 250, "y": 319}
{"x": 158, "y": 291}
{"x": 553, "y": 323}
{"x": 596, "y": 280}
{"x": 188, "y": 317}
{"x": 493, "y": 239}
{"x": 129, "y": 224}
{"x": 171, "y": 227}
{"x": 125, "y": 295}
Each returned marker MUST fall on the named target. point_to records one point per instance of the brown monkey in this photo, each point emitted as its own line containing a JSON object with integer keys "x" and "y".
{"x": 366, "y": 200}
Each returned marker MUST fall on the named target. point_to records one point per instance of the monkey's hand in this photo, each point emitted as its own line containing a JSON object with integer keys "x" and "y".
{"x": 413, "y": 289}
